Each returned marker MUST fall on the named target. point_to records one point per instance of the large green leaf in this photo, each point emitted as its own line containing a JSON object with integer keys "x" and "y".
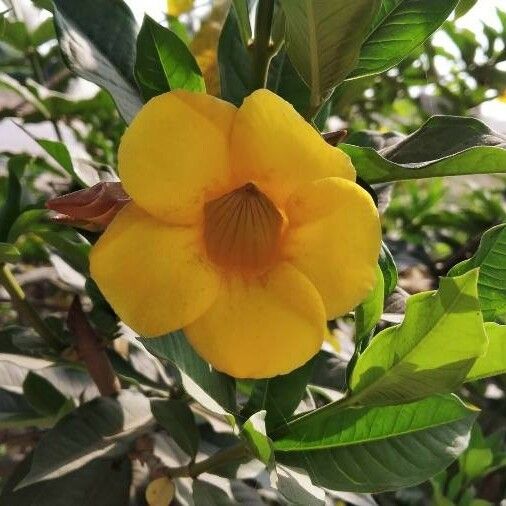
{"x": 431, "y": 352}
{"x": 494, "y": 360}
{"x": 491, "y": 259}
{"x": 236, "y": 70}
{"x": 380, "y": 448}
{"x": 16, "y": 412}
{"x": 399, "y": 27}
{"x": 177, "y": 419}
{"x": 444, "y": 146}
{"x": 43, "y": 396}
{"x": 103, "y": 427}
{"x": 279, "y": 396}
{"x": 214, "y": 390}
{"x": 164, "y": 62}
{"x": 323, "y": 39}
{"x": 97, "y": 39}
{"x": 102, "y": 482}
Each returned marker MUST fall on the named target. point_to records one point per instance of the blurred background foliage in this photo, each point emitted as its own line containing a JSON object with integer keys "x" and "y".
{"x": 429, "y": 225}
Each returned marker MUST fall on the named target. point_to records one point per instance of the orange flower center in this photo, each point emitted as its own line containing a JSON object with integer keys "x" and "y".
{"x": 242, "y": 230}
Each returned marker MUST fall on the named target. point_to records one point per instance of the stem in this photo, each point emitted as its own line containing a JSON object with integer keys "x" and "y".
{"x": 24, "y": 308}
{"x": 91, "y": 351}
{"x": 34, "y": 58}
{"x": 262, "y": 46}
{"x": 236, "y": 452}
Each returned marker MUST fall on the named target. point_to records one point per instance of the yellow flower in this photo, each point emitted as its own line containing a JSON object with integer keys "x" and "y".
{"x": 246, "y": 230}
{"x": 178, "y": 7}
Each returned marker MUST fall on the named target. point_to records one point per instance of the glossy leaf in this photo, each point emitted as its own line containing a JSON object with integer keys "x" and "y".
{"x": 236, "y": 70}
{"x": 177, "y": 419}
{"x": 373, "y": 449}
{"x": 213, "y": 389}
{"x": 97, "y": 39}
{"x": 43, "y": 396}
{"x": 444, "y": 146}
{"x": 164, "y": 62}
{"x": 493, "y": 362}
{"x": 255, "y": 434}
{"x": 490, "y": 257}
{"x": 323, "y": 39}
{"x": 388, "y": 269}
{"x": 399, "y": 27}
{"x": 16, "y": 412}
{"x": 431, "y": 352}
{"x": 279, "y": 396}
{"x": 369, "y": 312}
{"x": 296, "y": 487}
{"x": 242, "y": 13}
{"x": 102, "y": 427}
{"x": 102, "y": 482}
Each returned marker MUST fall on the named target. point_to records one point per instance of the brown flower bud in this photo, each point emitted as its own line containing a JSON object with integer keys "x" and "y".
{"x": 92, "y": 208}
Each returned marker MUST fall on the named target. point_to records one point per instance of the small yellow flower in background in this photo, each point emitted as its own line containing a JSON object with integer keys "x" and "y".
{"x": 178, "y": 7}
{"x": 160, "y": 492}
{"x": 246, "y": 229}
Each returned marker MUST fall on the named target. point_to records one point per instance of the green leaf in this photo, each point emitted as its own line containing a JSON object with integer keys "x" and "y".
{"x": 72, "y": 247}
{"x": 24, "y": 92}
{"x": 254, "y": 433}
{"x": 11, "y": 207}
{"x": 15, "y": 33}
{"x": 213, "y": 389}
{"x": 286, "y": 82}
{"x": 323, "y": 40}
{"x": 431, "y": 352}
{"x": 60, "y": 154}
{"x": 236, "y": 70}
{"x": 279, "y": 396}
{"x": 102, "y": 482}
{"x": 369, "y": 312}
{"x": 463, "y": 7}
{"x": 43, "y": 396}
{"x": 43, "y": 33}
{"x": 444, "y": 146}
{"x": 493, "y": 362}
{"x": 296, "y": 487}
{"x": 177, "y": 419}
{"x": 490, "y": 257}
{"x": 399, "y": 28}
{"x": 164, "y": 62}
{"x": 373, "y": 449}
{"x": 103, "y": 427}
{"x": 16, "y": 412}
{"x": 478, "y": 458}
{"x": 242, "y": 13}
{"x": 9, "y": 253}
{"x": 388, "y": 269}
{"x": 98, "y": 39}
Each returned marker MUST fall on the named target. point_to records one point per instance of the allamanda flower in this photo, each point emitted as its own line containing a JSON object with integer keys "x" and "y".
{"x": 246, "y": 229}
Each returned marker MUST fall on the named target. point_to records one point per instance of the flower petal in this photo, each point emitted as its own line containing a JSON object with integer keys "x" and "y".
{"x": 153, "y": 274}
{"x": 175, "y": 154}
{"x": 263, "y": 327}
{"x": 334, "y": 238}
{"x": 275, "y": 148}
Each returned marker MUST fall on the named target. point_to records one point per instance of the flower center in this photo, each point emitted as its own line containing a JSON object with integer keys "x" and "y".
{"x": 242, "y": 230}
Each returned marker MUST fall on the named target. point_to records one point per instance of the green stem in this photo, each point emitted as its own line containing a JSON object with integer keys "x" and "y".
{"x": 236, "y": 452}
{"x": 24, "y": 308}
{"x": 262, "y": 46}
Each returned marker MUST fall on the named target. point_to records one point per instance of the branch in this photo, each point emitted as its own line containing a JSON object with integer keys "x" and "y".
{"x": 91, "y": 351}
